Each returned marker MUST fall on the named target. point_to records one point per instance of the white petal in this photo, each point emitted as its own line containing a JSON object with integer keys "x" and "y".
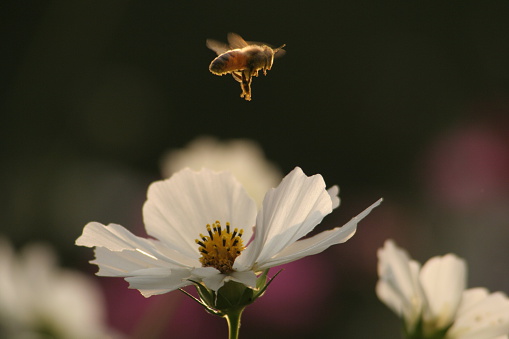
{"x": 443, "y": 280}
{"x": 118, "y": 240}
{"x": 214, "y": 279}
{"x": 317, "y": 243}
{"x": 178, "y": 209}
{"x": 289, "y": 212}
{"x": 114, "y": 237}
{"x": 205, "y": 272}
{"x": 147, "y": 266}
{"x": 398, "y": 284}
{"x": 152, "y": 281}
{"x": 481, "y": 315}
{"x": 334, "y": 195}
{"x": 119, "y": 263}
{"x": 247, "y": 278}
{"x": 470, "y": 299}
{"x": 211, "y": 277}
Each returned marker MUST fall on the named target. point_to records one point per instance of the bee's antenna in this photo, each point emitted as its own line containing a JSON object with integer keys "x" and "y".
{"x": 279, "y": 48}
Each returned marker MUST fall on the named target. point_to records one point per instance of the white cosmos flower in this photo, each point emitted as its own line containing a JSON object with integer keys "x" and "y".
{"x": 433, "y": 299}
{"x": 238, "y": 243}
{"x": 481, "y": 315}
{"x": 38, "y": 299}
{"x": 242, "y": 157}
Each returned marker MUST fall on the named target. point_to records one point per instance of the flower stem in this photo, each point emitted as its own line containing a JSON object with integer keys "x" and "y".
{"x": 233, "y": 319}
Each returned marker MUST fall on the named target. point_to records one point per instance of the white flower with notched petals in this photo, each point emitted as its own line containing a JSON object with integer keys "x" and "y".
{"x": 40, "y": 300}
{"x": 207, "y": 229}
{"x": 432, "y": 300}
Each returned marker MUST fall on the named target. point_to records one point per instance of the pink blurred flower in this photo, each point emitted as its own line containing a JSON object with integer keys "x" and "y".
{"x": 468, "y": 166}
{"x": 292, "y": 295}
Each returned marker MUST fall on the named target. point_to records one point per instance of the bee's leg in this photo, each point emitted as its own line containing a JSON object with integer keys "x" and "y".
{"x": 267, "y": 67}
{"x": 237, "y": 76}
{"x": 245, "y": 85}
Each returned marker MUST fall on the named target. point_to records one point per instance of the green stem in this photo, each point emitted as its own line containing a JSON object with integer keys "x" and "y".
{"x": 233, "y": 319}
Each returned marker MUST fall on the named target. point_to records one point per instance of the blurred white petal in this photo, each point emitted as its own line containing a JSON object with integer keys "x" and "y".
{"x": 435, "y": 295}
{"x": 34, "y": 292}
{"x": 398, "y": 285}
{"x": 443, "y": 280}
{"x": 481, "y": 315}
{"x": 243, "y": 158}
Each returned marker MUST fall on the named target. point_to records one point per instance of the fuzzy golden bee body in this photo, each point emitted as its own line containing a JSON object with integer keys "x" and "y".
{"x": 242, "y": 59}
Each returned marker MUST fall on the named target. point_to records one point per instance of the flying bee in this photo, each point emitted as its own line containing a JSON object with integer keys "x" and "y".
{"x": 242, "y": 59}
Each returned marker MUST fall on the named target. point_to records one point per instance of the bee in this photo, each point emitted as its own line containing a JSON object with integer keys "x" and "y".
{"x": 242, "y": 59}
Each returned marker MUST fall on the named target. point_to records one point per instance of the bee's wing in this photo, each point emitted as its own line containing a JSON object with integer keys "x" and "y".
{"x": 236, "y": 41}
{"x": 218, "y": 47}
{"x": 279, "y": 52}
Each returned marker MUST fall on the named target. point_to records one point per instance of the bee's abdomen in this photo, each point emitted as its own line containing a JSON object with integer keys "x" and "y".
{"x": 228, "y": 62}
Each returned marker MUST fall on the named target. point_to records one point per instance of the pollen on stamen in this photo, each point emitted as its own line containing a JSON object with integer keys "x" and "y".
{"x": 220, "y": 248}
{"x": 209, "y": 230}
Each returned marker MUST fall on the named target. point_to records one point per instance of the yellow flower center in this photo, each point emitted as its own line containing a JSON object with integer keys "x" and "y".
{"x": 220, "y": 248}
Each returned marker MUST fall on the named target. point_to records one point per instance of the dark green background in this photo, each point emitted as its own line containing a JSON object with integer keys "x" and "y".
{"x": 92, "y": 93}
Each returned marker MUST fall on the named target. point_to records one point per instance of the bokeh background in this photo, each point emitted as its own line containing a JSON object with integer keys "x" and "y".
{"x": 406, "y": 100}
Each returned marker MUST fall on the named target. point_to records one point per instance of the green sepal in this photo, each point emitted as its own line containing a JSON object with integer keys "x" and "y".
{"x": 207, "y": 298}
{"x": 207, "y": 295}
{"x": 419, "y": 333}
{"x": 232, "y": 296}
{"x": 262, "y": 283}
{"x": 231, "y": 299}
